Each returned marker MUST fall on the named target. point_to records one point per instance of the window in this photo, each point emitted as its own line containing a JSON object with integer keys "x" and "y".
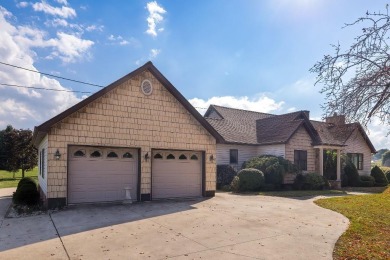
{"x": 96, "y": 154}
{"x": 182, "y": 157}
{"x": 300, "y": 159}
{"x": 112, "y": 155}
{"x": 40, "y": 162}
{"x": 170, "y": 157}
{"x": 233, "y": 156}
{"x": 158, "y": 156}
{"x": 79, "y": 153}
{"x": 43, "y": 163}
{"x": 194, "y": 157}
{"x": 356, "y": 159}
{"x": 127, "y": 155}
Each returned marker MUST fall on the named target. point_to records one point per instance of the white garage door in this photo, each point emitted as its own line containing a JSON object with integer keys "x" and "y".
{"x": 176, "y": 174}
{"x": 100, "y": 174}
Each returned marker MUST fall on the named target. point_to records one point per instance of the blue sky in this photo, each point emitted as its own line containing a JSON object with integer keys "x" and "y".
{"x": 247, "y": 54}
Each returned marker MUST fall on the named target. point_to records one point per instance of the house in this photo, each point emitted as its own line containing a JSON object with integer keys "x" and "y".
{"x": 137, "y": 135}
{"x": 246, "y": 134}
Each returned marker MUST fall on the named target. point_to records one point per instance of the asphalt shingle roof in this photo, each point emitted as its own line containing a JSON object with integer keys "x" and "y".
{"x": 250, "y": 127}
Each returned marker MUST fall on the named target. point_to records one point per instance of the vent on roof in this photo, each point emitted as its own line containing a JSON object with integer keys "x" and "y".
{"x": 146, "y": 87}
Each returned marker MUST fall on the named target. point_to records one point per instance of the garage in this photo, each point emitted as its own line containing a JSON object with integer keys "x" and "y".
{"x": 101, "y": 174}
{"x": 176, "y": 174}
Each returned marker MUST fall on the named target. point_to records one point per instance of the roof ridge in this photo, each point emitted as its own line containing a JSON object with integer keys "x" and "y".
{"x": 246, "y": 110}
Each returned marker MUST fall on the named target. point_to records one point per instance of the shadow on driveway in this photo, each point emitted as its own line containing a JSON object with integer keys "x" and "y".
{"x": 18, "y": 232}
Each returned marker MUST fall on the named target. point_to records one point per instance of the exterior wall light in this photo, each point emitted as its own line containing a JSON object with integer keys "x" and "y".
{"x": 146, "y": 156}
{"x": 57, "y": 155}
{"x": 211, "y": 158}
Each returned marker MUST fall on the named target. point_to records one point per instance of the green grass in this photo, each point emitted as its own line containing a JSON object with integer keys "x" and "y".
{"x": 302, "y": 193}
{"x": 7, "y": 180}
{"x": 368, "y": 236}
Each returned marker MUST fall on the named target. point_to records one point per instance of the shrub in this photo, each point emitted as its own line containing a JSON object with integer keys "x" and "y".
{"x": 386, "y": 171}
{"x": 379, "y": 176}
{"x": 26, "y": 193}
{"x": 235, "y": 185}
{"x": 386, "y": 159}
{"x": 310, "y": 181}
{"x": 344, "y": 180}
{"x": 299, "y": 182}
{"x": 26, "y": 180}
{"x": 250, "y": 179}
{"x": 274, "y": 168}
{"x": 352, "y": 174}
{"x": 367, "y": 181}
{"x": 225, "y": 175}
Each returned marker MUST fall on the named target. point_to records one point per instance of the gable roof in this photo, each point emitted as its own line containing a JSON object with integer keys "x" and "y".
{"x": 280, "y": 128}
{"x": 331, "y": 133}
{"x": 41, "y": 130}
{"x": 234, "y": 125}
{"x": 255, "y": 128}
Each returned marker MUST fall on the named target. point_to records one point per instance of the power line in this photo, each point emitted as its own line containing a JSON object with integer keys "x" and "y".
{"x": 51, "y": 75}
{"x": 52, "y": 89}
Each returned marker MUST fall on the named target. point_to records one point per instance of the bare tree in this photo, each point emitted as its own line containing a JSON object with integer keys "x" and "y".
{"x": 356, "y": 80}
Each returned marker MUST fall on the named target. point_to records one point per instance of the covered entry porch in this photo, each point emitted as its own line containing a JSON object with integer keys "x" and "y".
{"x": 321, "y": 149}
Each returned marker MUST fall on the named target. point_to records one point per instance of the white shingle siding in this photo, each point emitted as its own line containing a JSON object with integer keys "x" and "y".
{"x": 356, "y": 144}
{"x": 245, "y": 152}
{"x": 43, "y": 181}
{"x": 274, "y": 149}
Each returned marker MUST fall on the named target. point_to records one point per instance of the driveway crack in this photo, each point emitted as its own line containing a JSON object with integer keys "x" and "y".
{"x": 58, "y": 234}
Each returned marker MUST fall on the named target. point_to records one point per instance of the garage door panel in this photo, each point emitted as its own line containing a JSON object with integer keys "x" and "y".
{"x": 101, "y": 179}
{"x": 174, "y": 178}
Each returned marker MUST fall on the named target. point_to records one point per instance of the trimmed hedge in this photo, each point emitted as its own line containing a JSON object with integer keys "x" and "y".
{"x": 235, "y": 185}
{"x": 310, "y": 181}
{"x": 273, "y": 167}
{"x": 26, "y": 193}
{"x": 367, "y": 181}
{"x": 250, "y": 179}
{"x": 352, "y": 174}
{"x": 379, "y": 176}
{"x": 225, "y": 175}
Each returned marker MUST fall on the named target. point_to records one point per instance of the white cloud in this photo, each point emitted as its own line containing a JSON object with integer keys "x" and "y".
{"x": 261, "y": 103}
{"x": 154, "y": 53}
{"x": 57, "y": 22}
{"x": 21, "y": 107}
{"x": 124, "y": 42}
{"x": 94, "y": 27}
{"x": 22, "y": 4}
{"x": 64, "y": 2}
{"x": 69, "y": 47}
{"x": 64, "y": 11}
{"x": 377, "y": 132}
{"x": 155, "y": 17}
{"x": 120, "y": 40}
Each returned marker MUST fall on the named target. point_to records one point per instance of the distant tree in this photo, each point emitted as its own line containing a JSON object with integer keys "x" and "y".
{"x": 379, "y": 154}
{"x": 356, "y": 80}
{"x": 386, "y": 159}
{"x": 18, "y": 151}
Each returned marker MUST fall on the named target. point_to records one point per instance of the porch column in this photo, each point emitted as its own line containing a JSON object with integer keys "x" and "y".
{"x": 321, "y": 161}
{"x": 338, "y": 165}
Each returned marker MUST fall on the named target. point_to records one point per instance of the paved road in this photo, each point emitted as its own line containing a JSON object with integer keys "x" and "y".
{"x": 225, "y": 227}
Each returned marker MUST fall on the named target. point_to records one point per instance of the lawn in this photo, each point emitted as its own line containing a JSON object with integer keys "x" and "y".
{"x": 7, "y": 181}
{"x": 368, "y": 236}
{"x": 302, "y": 193}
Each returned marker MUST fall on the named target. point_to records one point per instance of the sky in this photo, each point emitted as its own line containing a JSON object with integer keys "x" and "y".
{"x": 251, "y": 54}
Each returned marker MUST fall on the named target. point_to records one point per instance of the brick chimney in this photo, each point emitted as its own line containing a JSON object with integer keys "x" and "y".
{"x": 335, "y": 119}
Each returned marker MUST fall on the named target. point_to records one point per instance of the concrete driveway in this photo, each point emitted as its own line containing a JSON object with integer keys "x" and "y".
{"x": 225, "y": 227}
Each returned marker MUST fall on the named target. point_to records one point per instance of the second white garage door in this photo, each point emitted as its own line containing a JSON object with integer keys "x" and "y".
{"x": 176, "y": 174}
{"x": 100, "y": 174}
